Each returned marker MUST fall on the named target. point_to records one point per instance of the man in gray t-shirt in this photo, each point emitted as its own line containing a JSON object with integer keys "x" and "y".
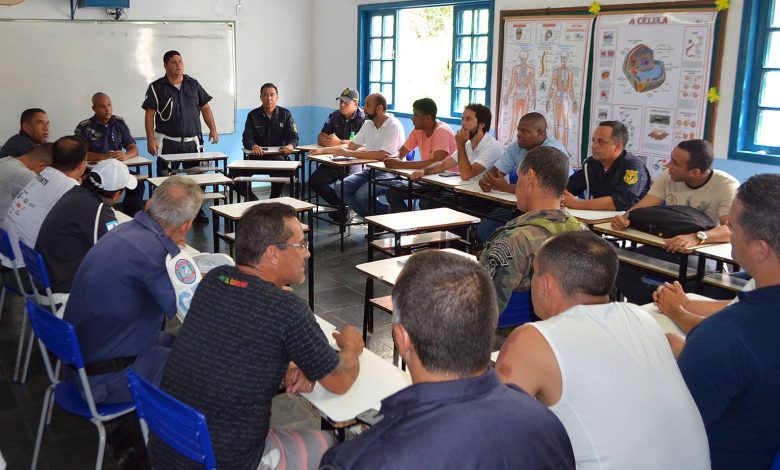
{"x": 15, "y": 173}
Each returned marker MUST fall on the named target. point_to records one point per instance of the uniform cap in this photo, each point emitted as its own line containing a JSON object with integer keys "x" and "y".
{"x": 349, "y": 94}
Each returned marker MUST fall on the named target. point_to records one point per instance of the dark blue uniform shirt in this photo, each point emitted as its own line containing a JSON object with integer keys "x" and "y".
{"x": 182, "y": 105}
{"x": 278, "y": 130}
{"x": 626, "y": 181}
{"x": 102, "y": 138}
{"x": 17, "y": 145}
{"x": 343, "y": 127}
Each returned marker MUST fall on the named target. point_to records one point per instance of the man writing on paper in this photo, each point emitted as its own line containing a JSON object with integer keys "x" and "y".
{"x": 245, "y": 333}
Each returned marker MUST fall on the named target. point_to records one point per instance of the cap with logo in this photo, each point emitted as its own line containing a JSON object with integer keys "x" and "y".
{"x": 112, "y": 175}
{"x": 349, "y": 94}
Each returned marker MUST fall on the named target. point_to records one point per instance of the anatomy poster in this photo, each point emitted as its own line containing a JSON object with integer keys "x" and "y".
{"x": 651, "y": 71}
{"x": 543, "y": 69}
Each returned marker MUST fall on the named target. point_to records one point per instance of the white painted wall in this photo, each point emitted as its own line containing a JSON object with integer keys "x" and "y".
{"x": 334, "y": 51}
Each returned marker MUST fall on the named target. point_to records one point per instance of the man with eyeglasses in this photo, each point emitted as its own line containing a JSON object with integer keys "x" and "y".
{"x": 245, "y": 334}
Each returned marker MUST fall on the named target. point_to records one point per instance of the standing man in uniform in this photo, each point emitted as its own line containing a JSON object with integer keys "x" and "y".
{"x": 34, "y": 131}
{"x": 107, "y": 135}
{"x": 269, "y": 126}
{"x": 173, "y": 104}
{"x": 340, "y": 128}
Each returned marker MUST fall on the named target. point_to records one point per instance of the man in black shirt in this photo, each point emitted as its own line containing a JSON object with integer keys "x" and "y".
{"x": 613, "y": 179}
{"x": 34, "y": 131}
{"x": 269, "y": 126}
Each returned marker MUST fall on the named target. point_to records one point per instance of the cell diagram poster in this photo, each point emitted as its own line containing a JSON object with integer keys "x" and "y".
{"x": 543, "y": 68}
{"x": 651, "y": 71}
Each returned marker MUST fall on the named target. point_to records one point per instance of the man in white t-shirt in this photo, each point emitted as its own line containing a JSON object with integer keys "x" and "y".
{"x": 32, "y": 204}
{"x": 17, "y": 172}
{"x": 606, "y": 370}
{"x": 376, "y": 140}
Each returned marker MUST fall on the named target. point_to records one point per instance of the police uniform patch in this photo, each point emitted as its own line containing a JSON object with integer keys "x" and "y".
{"x": 185, "y": 271}
{"x": 631, "y": 177}
{"x": 295, "y": 127}
{"x": 111, "y": 224}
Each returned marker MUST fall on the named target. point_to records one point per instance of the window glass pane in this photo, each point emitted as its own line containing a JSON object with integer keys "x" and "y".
{"x": 770, "y": 90}
{"x": 464, "y": 48}
{"x": 776, "y": 14}
{"x": 478, "y": 96}
{"x": 387, "y": 71}
{"x": 461, "y": 98}
{"x": 766, "y": 128}
{"x": 375, "y": 51}
{"x": 387, "y": 49}
{"x": 772, "y": 58}
{"x": 374, "y": 71}
{"x": 387, "y": 90}
{"x": 481, "y": 22}
{"x": 376, "y": 26}
{"x": 374, "y": 87}
{"x": 463, "y": 75}
{"x": 389, "y": 25}
{"x": 480, "y": 48}
{"x": 464, "y": 26}
{"x": 478, "y": 75}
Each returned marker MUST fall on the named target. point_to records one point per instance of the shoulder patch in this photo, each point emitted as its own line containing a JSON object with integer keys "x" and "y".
{"x": 631, "y": 177}
{"x": 85, "y": 122}
{"x": 119, "y": 118}
{"x": 111, "y": 224}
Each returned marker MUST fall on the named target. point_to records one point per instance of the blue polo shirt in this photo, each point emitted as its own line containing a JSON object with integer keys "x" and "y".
{"x": 122, "y": 291}
{"x": 115, "y": 135}
{"x": 731, "y": 364}
{"x": 514, "y": 154}
{"x": 18, "y": 145}
{"x": 471, "y": 423}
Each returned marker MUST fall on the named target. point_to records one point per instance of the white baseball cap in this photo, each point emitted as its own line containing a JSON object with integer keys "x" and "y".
{"x": 112, "y": 175}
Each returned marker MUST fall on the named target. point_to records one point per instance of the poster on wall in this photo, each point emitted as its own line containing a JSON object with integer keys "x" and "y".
{"x": 543, "y": 69}
{"x": 651, "y": 71}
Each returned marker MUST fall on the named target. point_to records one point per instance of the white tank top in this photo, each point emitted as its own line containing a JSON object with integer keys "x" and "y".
{"x": 624, "y": 403}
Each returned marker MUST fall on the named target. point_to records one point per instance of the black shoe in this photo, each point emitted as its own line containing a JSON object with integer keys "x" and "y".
{"x": 201, "y": 218}
{"x": 341, "y": 217}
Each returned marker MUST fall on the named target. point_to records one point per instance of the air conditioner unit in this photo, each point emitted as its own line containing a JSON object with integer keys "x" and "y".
{"x": 104, "y": 3}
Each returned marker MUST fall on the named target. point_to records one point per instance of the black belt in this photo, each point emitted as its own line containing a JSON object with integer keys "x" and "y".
{"x": 118, "y": 364}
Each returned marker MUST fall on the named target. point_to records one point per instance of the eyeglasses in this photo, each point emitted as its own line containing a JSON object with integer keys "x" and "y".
{"x": 303, "y": 245}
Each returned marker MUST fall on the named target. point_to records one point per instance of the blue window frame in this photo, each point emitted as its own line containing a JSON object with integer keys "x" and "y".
{"x": 756, "y": 111}
{"x": 469, "y": 62}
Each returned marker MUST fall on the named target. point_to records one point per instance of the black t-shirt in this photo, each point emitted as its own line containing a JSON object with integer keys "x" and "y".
{"x": 231, "y": 355}
{"x": 71, "y": 228}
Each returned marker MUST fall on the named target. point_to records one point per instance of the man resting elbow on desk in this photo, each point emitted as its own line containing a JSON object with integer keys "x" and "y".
{"x": 245, "y": 334}
{"x": 456, "y": 414}
{"x": 613, "y": 178}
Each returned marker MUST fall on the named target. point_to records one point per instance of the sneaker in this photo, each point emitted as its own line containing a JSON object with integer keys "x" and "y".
{"x": 201, "y": 218}
{"x": 341, "y": 217}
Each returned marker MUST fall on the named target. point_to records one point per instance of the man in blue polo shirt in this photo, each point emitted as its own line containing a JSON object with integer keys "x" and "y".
{"x": 109, "y": 137}
{"x": 731, "y": 361}
{"x": 456, "y": 414}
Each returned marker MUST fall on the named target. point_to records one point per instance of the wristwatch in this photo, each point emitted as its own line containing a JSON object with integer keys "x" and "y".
{"x": 702, "y": 236}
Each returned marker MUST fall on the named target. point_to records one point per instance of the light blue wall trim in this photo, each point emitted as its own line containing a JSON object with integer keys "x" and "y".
{"x": 742, "y": 170}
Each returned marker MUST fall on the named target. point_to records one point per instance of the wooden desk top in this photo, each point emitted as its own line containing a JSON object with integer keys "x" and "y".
{"x": 203, "y": 179}
{"x": 327, "y": 159}
{"x": 429, "y": 219}
{"x": 377, "y": 380}
{"x": 717, "y": 251}
{"x": 279, "y": 165}
{"x": 405, "y": 172}
{"x": 236, "y": 211}
{"x": 472, "y": 189}
{"x": 194, "y": 157}
{"x": 638, "y": 236}
{"x": 593, "y": 217}
{"x": 446, "y": 181}
{"x": 137, "y": 161}
{"x": 308, "y": 147}
{"x": 387, "y": 270}
{"x": 666, "y": 323}
{"x": 271, "y": 151}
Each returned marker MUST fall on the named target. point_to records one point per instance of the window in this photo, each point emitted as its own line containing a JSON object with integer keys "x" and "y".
{"x": 436, "y": 49}
{"x": 757, "y": 99}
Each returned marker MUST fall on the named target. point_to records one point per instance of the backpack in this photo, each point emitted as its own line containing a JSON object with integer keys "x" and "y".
{"x": 670, "y": 221}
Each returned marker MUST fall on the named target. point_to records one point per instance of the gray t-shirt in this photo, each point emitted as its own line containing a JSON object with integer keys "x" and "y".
{"x": 14, "y": 176}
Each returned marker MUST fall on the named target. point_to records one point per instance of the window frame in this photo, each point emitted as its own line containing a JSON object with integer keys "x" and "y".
{"x": 754, "y": 40}
{"x": 367, "y": 11}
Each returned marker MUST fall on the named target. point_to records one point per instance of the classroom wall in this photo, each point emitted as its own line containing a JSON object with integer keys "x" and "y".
{"x": 335, "y": 30}
{"x": 273, "y": 42}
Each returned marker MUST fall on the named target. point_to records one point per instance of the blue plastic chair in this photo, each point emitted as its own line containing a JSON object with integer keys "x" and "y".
{"x": 776, "y": 464}
{"x": 180, "y": 426}
{"x": 19, "y": 289}
{"x": 59, "y": 338}
{"x": 519, "y": 310}
{"x": 42, "y": 294}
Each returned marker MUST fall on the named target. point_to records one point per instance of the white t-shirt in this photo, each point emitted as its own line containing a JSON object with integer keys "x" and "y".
{"x": 32, "y": 204}
{"x": 389, "y": 137}
{"x": 488, "y": 151}
{"x": 624, "y": 402}
{"x": 14, "y": 176}
{"x": 713, "y": 198}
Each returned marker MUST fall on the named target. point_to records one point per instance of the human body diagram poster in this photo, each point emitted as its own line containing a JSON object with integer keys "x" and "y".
{"x": 544, "y": 67}
{"x": 651, "y": 71}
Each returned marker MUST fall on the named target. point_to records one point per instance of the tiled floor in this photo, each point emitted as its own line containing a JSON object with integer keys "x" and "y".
{"x": 71, "y": 443}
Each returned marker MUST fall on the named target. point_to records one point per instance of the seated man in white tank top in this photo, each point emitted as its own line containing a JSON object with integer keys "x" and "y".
{"x": 605, "y": 369}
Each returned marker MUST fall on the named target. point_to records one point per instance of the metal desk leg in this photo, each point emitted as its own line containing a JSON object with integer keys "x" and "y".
{"x": 683, "y": 274}
{"x": 371, "y": 230}
{"x": 214, "y": 220}
{"x": 343, "y": 208}
{"x": 311, "y": 263}
{"x": 371, "y": 191}
{"x": 368, "y": 311}
{"x": 700, "y": 267}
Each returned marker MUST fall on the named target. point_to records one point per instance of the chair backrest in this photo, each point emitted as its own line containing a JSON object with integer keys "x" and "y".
{"x": 776, "y": 464}
{"x": 57, "y": 335}
{"x": 39, "y": 275}
{"x": 5, "y": 245}
{"x": 519, "y": 310}
{"x": 180, "y": 426}
{"x": 8, "y": 252}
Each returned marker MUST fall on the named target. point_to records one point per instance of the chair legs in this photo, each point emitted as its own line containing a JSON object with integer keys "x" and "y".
{"x": 2, "y": 301}
{"x": 20, "y": 348}
{"x": 30, "y": 345}
{"x": 101, "y": 443}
